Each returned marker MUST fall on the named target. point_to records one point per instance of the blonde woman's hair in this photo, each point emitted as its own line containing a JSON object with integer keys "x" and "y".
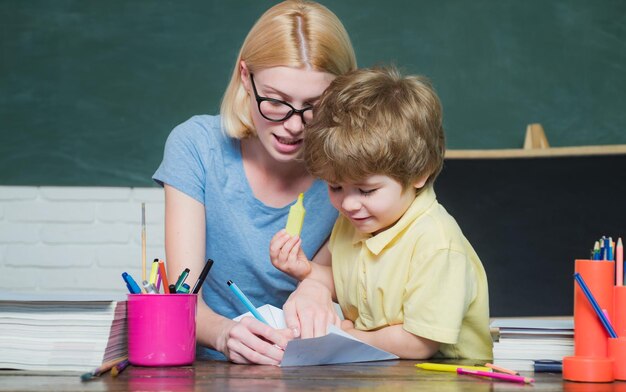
{"x": 298, "y": 34}
{"x": 376, "y": 122}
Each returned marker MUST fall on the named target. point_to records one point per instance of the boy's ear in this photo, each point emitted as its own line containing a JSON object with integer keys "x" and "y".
{"x": 420, "y": 182}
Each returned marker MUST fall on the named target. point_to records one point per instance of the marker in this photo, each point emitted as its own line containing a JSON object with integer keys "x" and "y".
{"x": 181, "y": 279}
{"x": 501, "y": 369}
{"x": 499, "y": 376}
{"x": 296, "y": 217}
{"x": 172, "y": 289}
{"x": 150, "y": 288}
{"x": 202, "y": 277}
{"x": 153, "y": 271}
{"x": 184, "y": 289}
{"x": 441, "y": 367}
{"x": 242, "y": 297}
{"x": 163, "y": 276}
{"x": 133, "y": 287}
{"x": 605, "y": 322}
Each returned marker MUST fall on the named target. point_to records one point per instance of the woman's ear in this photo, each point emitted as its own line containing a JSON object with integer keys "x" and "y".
{"x": 244, "y": 74}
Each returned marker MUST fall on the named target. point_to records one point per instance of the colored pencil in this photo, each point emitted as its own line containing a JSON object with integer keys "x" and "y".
{"x": 143, "y": 241}
{"x": 498, "y": 376}
{"x": 100, "y": 370}
{"x": 619, "y": 263}
{"x": 117, "y": 369}
{"x": 501, "y": 369}
{"x": 605, "y": 322}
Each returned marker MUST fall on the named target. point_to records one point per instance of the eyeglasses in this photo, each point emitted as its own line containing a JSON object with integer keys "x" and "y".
{"x": 277, "y": 110}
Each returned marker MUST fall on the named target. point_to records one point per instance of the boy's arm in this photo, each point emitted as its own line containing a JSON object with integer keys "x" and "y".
{"x": 395, "y": 340}
{"x": 286, "y": 255}
{"x": 310, "y": 309}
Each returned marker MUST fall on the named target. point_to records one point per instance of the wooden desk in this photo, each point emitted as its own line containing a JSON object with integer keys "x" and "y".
{"x": 221, "y": 376}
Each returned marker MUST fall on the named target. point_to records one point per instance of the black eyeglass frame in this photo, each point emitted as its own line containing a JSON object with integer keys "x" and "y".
{"x": 293, "y": 110}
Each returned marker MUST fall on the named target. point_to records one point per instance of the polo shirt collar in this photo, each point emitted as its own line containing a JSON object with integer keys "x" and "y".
{"x": 377, "y": 243}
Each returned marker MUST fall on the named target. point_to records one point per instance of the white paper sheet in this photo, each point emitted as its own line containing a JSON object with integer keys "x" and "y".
{"x": 336, "y": 347}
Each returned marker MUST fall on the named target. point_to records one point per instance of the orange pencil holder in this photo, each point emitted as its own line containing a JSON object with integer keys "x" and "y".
{"x": 617, "y": 347}
{"x": 591, "y": 361}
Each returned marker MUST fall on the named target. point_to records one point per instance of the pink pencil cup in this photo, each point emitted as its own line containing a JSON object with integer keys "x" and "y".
{"x": 162, "y": 329}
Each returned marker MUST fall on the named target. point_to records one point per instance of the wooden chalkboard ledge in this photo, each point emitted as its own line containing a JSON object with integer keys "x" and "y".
{"x": 617, "y": 149}
{"x": 536, "y": 146}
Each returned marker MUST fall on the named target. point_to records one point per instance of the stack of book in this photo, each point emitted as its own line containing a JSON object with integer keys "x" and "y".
{"x": 69, "y": 333}
{"x": 519, "y": 342}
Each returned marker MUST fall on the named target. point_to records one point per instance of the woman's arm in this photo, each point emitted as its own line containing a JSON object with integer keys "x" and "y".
{"x": 395, "y": 339}
{"x": 185, "y": 244}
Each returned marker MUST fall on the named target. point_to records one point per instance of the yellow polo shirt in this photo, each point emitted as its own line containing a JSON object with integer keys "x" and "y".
{"x": 422, "y": 273}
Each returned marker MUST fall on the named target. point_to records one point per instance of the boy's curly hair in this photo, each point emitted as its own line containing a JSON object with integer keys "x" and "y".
{"x": 376, "y": 122}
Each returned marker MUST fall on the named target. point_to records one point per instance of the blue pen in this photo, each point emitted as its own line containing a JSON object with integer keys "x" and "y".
{"x": 242, "y": 297}
{"x": 605, "y": 322}
{"x": 131, "y": 284}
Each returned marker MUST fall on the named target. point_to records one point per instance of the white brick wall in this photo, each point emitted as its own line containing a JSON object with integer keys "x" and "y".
{"x": 76, "y": 238}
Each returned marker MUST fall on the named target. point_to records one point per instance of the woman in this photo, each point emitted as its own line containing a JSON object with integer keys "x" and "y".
{"x": 229, "y": 182}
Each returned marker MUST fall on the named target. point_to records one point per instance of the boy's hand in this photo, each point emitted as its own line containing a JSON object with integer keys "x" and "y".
{"x": 309, "y": 310}
{"x": 287, "y": 255}
{"x": 347, "y": 325}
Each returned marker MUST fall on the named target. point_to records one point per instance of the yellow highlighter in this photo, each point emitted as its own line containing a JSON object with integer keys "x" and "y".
{"x": 296, "y": 217}
{"x": 441, "y": 367}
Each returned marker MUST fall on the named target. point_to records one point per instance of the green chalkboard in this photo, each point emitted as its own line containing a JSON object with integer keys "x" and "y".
{"x": 89, "y": 89}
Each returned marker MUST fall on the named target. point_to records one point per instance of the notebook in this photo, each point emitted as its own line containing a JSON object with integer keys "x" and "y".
{"x": 519, "y": 342}
{"x": 61, "y": 332}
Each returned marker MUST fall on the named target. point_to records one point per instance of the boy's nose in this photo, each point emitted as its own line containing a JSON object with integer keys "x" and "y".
{"x": 350, "y": 203}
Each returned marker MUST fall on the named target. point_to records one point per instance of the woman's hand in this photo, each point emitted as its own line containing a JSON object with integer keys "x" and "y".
{"x": 250, "y": 341}
{"x": 309, "y": 310}
{"x": 286, "y": 255}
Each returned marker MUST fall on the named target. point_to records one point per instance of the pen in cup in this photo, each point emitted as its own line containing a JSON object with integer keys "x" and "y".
{"x": 149, "y": 287}
{"x": 181, "y": 280}
{"x": 154, "y": 268}
{"x": 163, "y": 276}
{"x": 202, "y": 277}
{"x": 133, "y": 287}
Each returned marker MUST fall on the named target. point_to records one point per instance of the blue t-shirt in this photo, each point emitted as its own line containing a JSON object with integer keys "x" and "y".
{"x": 203, "y": 162}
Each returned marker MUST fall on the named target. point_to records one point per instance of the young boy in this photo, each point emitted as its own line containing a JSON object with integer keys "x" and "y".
{"x": 406, "y": 278}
